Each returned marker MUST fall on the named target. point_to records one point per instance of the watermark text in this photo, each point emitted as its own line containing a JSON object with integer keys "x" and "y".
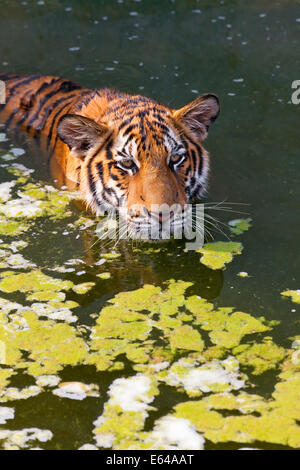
{"x": 2, "y": 92}
{"x": 296, "y": 95}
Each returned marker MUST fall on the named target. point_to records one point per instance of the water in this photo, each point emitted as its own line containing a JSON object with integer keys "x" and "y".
{"x": 245, "y": 52}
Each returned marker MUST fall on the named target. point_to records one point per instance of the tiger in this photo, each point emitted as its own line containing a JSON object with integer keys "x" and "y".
{"x": 118, "y": 150}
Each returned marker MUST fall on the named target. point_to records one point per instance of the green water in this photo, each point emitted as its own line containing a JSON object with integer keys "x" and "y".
{"x": 248, "y": 54}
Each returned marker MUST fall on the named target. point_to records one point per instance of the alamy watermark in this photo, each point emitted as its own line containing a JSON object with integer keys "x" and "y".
{"x": 296, "y": 95}
{"x": 2, "y": 92}
{"x": 161, "y": 222}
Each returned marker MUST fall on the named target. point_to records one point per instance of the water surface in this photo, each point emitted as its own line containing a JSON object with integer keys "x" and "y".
{"x": 172, "y": 51}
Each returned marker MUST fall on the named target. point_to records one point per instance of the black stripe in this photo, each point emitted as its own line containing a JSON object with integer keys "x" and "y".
{"x": 129, "y": 139}
{"x": 11, "y": 117}
{"x": 158, "y": 138}
{"x": 107, "y": 142}
{"x": 184, "y": 142}
{"x": 8, "y": 76}
{"x": 27, "y": 80}
{"x": 109, "y": 155}
{"x": 33, "y": 93}
{"x": 128, "y": 104}
{"x": 65, "y": 87}
{"x": 48, "y": 110}
{"x": 44, "y": 100}
{"x": 93, "y": 186}
{"x": 195, "y": 192}
{"x": 58, "y": 114}
{"x": 158, "y": 115}
{"x": 55, "y": 142}
{"x": 194, "y": 158}
{"x": 125, "y": 123}
{"x": 187, "y": 170}
{"x": 194, "y": 143}
{"x": 163, "y": 127}
{"x": 54, "y": 121}
{"x": 199, "y": 149}
{"x": 110, "y": 165}
{"x": 112, "y": 192}
{"x": 99, "y": 167}
{"x": 130, "y": 128}
{"x": 89, "y": 95}
{"x": 114, "y": 177}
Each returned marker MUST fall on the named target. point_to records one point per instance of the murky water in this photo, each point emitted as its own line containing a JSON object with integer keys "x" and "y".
{"x": 247, "y": 53}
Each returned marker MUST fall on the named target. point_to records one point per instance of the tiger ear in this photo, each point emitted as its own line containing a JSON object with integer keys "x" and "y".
{"x": 198, "y": 115}
{"x": 80, "y": 133}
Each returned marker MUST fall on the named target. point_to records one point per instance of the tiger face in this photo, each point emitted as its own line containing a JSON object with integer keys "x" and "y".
{"x": 139, "y": 155}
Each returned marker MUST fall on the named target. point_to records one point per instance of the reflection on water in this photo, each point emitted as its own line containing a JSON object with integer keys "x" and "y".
{"x": 171, "y": 51}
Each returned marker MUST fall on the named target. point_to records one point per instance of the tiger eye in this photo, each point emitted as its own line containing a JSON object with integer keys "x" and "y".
{"x": 127, "y": 164}
{"x": 176, "y": 158}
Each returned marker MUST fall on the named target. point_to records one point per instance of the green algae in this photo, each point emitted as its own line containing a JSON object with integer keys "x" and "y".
{"x": 54, "y": 203}
{"x": 34, "y": 281}
{"x": 270, "y": 426}
{"x": 245, "y": 403}
{"x": 226, "y": 328}
{"x": 216, "y": 255}
{"x": 83, "y": 288}
{"x": 12, "y": 227}
{"x": 46, "y": 296}
{"x": 260, "y": 356}
{"x": 32, "y": 199}
{"x": 104, "y": 276}
{"x": 239, "y": 226}
{"x": 127, "y": 325}
{"x": 186, "y": 337}
{"x": 83, "y": 222}
{"x": 148, "y": 251}
{"x": 5, "y": 374}
{"x": 110, "y": 256}
{"x": 119, "y": 332}
{"x": 49, "y": 346}
{"x": 293, "y": 294}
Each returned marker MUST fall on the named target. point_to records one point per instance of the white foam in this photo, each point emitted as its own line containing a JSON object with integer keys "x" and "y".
{"x": 131, "y": 394}
{"x": 5, "y": 190}
{"x": 6, "y": 414}
{"x": 173, "y": 433}
{"x": 207, "y": 377}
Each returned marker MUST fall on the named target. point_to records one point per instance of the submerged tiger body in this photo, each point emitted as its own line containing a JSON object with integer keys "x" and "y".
{"x": 114, "y": 147}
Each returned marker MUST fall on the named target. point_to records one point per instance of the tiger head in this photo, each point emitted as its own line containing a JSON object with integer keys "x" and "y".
{"x": 136, "y": 153}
